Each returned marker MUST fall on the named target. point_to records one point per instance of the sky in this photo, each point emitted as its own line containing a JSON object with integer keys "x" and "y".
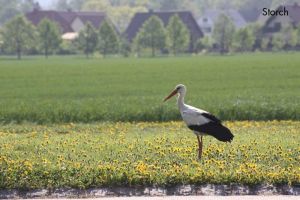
{"x": 45, "y": 3}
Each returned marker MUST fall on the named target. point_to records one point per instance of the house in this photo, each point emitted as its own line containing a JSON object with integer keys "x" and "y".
{"x": 186, "y": 17}
{"x": 207, "y": 21}
{"x": 251, "y": 15}
{"x": 70, "y": 22}
{"x": 275, "y": 23}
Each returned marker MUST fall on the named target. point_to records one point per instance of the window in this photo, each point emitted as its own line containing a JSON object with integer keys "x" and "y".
{"x": 277, "y": 26}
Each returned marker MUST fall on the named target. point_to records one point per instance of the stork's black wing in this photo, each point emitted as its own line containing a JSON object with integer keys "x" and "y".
{"x": 214, "y": 129}
{"x": 211, "y": 117}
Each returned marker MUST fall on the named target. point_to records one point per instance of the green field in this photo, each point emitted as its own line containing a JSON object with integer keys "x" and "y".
{"x": 96, "y": 149}
{"x": 75, "y": 89}
{"x": 142, "y": 154}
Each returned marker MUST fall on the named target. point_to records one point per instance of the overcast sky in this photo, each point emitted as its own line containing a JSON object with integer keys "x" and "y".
{"x": 45, "y": 3}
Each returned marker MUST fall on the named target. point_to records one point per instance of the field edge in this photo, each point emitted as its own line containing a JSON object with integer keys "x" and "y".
{"x": 179, "y": 190}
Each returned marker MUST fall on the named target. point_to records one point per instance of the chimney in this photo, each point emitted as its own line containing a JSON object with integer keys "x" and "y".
{"x": 36, "y": 7}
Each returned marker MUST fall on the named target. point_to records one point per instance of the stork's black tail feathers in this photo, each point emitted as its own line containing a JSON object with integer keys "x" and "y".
{"x": 214, "y": 129}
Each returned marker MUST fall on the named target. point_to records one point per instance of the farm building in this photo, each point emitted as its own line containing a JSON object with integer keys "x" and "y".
{"x": 69, "y": 21}
{"x": 273, "y": 24}
{"x": 186, "y": 17}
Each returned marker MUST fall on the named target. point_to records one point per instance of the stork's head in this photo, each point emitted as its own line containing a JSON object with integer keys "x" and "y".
{"x": 179, "y": 89}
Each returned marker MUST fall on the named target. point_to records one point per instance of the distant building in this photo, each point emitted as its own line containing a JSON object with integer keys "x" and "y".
{"x": 186, "y": 17}
{"x": 70, "y": 22}
{"x": 208, "y": 20}
{"x": 274, "y": 23}
{"x": 251, "y": 15}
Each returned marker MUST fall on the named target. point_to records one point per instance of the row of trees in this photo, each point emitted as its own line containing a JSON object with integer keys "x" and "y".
{"x": 106, "y": 40}
{"x": 175, "y": 38}
{"x": 226, "y": 38}
{"x": 121, "y": 11}
{"x": 20, "y": 36}
{"x": 11, "y": 8}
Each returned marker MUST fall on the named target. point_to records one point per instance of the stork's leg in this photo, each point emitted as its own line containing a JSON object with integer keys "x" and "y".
{"x": 200, "y": 144}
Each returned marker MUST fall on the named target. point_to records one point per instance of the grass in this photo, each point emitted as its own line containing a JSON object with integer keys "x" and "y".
{"x": 141, "y": 154}
{"x": 74, "y": 89}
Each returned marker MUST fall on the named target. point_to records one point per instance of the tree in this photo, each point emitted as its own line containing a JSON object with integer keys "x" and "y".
{"x": 108, "y": 39}
{"x": 49, "y": 36}
{"x": 136, "y": 45}
{"x": 62, "y": 5}
{"x": 223, "y": 33}
{"x": 76, "y": 4}
{"x": 88, "y": 39}
{"x": 27, "y": 5}
{"x": 265, "y": 42}
{"x": 170, "y": 4}
{"x": 95, "y": 5}
{"x": 178, "y": 35}
{"x": 298, "y": 34}
{"x": 121, "y": 15}
{"x": 1, "y": 42}
{"x": 18, "y": 35}
{"x": 152, "y": 35}
{"x": 11, "y": 8}
{"x": 8, "y": 10}
{"x": 278, "y": 41}
{"x": 165, "y": 5}
{"x": 244, "y": 39}
{"x": 120, "y": 12}
{"x": 256, "y": 30}
{"x": 125, "y": 47}
{"x": 289, "y": 35}
{"x": 203, "y": 44}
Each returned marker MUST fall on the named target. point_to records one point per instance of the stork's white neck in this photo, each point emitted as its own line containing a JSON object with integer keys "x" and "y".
{"x": 180, "y": 101}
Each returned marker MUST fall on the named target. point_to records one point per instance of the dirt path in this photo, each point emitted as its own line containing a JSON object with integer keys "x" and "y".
{"x": 279, "y": 197}
{"x": 177, "y": 192}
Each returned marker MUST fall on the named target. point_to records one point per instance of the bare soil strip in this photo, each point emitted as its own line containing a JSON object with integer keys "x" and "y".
{"x": 183, "y": 190}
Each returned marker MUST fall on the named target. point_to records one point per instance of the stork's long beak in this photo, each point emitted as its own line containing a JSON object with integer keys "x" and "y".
{"x": 170, "y": 95}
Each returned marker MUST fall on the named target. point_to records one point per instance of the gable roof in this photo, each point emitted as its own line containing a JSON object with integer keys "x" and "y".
{"x": 139, "y": 18}
{"x": 36, "y": 16}
{"x": 293, "y": 14}
{"x": 65, "y": 18}
{"x": 212, "y": 16}
{"x": 250, "y": 14}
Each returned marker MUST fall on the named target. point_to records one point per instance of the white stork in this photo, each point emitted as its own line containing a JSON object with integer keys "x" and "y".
{"x": 200, "y": 121}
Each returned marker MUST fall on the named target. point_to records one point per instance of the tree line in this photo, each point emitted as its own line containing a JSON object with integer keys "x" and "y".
{"x": 19, "y": 36}
{"x": 226, "y": 38}
{"x": 121, "y": 11}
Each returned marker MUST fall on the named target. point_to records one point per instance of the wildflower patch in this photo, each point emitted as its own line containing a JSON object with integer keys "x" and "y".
{"x": 146, "y": 154}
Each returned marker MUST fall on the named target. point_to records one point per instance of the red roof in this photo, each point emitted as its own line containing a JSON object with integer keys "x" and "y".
{"x": 65, "y": 18}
